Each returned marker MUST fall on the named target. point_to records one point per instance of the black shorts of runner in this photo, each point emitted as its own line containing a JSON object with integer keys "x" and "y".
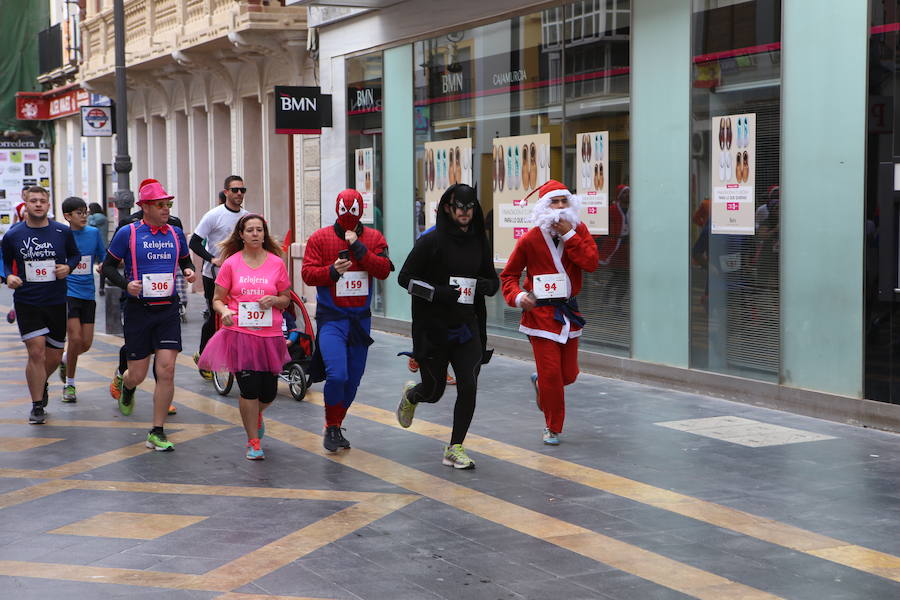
{"x": 49, "y": 321}
{"x": 257, "y": 385}
{"x": 151, "y": 328}
{"x": 83, "y": 310}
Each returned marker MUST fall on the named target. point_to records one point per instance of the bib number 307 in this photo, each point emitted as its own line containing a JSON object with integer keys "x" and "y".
{"x": 157, "y": 285}
{"x": 251, "y": 314}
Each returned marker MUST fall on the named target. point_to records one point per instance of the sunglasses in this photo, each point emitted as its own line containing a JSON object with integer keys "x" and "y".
{"x": 240, "y": 190}
{"x": 462, "y": 206}
{"x": 164, "y": 204}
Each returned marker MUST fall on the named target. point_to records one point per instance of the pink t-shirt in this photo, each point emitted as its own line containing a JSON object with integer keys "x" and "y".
{"x": 245, "y": 284}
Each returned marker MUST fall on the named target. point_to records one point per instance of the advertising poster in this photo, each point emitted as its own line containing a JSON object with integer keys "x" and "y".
{"x": 445, "y": 163}
{"x": 21, "y": 164}
{"x": 732, "y": 171}
{"x": 521, "y": 164}
{"x": 365, "y": 182}
{"x": 591, "y": 173}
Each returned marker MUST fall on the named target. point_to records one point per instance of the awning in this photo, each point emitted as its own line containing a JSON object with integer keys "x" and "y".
{"x": 56, "y": 103}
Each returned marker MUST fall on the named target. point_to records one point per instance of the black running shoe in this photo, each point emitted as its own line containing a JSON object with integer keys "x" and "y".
{"x": 334, "y": 440}
{"x": 37, "y": 416}
{"x": 45, "y": 399}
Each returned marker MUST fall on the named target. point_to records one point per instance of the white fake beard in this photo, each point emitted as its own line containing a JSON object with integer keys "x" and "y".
{"x": 544, "y": 217}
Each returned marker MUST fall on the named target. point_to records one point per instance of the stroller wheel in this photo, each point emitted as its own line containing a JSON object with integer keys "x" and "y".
{"x": 223, "y": 381}
{"x": 297, "y": 382}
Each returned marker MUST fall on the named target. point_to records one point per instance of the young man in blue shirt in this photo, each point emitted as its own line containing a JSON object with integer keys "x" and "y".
{"x": 38, "y": 255}
{"x": 152, "y": 251}
{"x": 82, "y": 307}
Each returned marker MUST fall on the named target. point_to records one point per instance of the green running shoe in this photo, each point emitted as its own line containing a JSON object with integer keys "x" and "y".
{"x": 207, "y": 375}
{"x": 406, "y": 409}
{"x": 115, "y": 386}
{"x": 455, "y": 456}
{"x": 126, "y": 400}
{"x": 159, "y": 442}
{"x": 69, "y": 395}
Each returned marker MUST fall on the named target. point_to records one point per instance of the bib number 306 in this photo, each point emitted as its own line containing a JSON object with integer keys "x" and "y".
{"x": 157, "y": 285}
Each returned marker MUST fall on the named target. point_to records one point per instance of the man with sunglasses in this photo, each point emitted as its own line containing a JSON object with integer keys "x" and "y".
{"x": 448, "y": 273}
{"x": 215, "y": 227}
{"x": 152, "y": 252}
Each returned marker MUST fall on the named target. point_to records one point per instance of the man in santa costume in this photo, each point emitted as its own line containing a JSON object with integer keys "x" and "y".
{"x": 553, "y": 253}
{"x": 341, "y": 260}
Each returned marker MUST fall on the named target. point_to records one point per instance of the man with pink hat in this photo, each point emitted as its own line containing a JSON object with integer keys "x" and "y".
{"x": 554, "y": 253}
{"x": 152, "y": 251}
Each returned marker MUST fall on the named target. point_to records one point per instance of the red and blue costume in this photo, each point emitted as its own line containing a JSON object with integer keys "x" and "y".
{"x": 343, "y": 315}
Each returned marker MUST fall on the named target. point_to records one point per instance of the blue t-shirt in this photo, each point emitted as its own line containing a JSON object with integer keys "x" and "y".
{"x": 24, "y": 246}
{"x": 91, "y": 246}
{"x": 151, "y": 253}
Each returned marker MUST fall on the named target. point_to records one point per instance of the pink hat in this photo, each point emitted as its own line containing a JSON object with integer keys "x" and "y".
{"x": 152, "y": 190}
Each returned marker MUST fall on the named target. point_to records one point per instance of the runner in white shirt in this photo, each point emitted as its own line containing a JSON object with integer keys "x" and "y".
{"x": 216, "y": 226}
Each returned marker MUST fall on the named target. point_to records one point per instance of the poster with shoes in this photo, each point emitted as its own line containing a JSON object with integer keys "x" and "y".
{"x": 733, "y": 174}
{"x": 521, "y": 164}
{"x": 365, "y": 182}
{"x": 21, "y": 164}
{"x": 445, "y": 163}
{"x": 590, "y": 178}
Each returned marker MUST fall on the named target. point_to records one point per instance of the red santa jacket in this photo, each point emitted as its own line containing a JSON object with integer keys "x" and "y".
{"x": 536, "y": 254}
{"x": 321, "y": 252}
{"x": 614, "y": 246}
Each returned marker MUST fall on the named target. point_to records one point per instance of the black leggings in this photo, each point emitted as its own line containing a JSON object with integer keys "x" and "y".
{"x": 466, "y": 361}
{"x": 257, "y": 385}
{"x": 209, "y": 325}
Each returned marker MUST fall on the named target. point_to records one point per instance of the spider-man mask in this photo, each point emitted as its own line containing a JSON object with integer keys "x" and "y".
{"x": 349, "y": 207}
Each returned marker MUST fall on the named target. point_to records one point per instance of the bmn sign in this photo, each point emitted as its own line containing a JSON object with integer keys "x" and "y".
{"x": 301, "y": 109}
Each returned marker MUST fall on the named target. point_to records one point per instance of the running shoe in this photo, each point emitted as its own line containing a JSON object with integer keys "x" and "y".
{"x": 173, "y": 410}
{"x": 115, "y": 386}
{"x": 69, "y": 395}
{"x": 254, "y": 452}
{"x": 451, "y": 380}
{"x": 334, "y": 439}
{"x": 45, "y": 399}
{"x": 260, "y": 427}
{"x": 455, "y": 456}
{"x": 126, "y": 400}
{"x": 537, "y": 393}
{"x": 159, "y": 442}
{"x": 11, "y": 316}
{"x": 551, "y": 438}
{"x": 406, "y": 409}
{"x": 412, "y": 365}
{"x": 62, "y": 370}
{"x": 207, "y": 375}
{"x": 37, "y": 415}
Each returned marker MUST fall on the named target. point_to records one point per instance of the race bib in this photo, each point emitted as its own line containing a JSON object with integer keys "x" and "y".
{"x": 158, "y": 285}
{"x": 466, "y": 289}
{"x": 251, "y": 314}
{"x": 83, "y": 267}
{"x": 551, "y": 285}
{"x": 40, "y": 270}
{"x": 353, "y": 283}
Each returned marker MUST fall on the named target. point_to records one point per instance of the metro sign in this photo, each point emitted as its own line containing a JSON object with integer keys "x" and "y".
{"x": 97, "y": 121}
{"x": 301, "y": 110}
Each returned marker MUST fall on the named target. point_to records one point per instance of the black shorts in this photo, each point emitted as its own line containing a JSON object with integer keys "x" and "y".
{"x": 83, "y": 310}
{"x": 49, "y": 321}
{"x": 151, "y": 328}
{"x": 257, "y": 385}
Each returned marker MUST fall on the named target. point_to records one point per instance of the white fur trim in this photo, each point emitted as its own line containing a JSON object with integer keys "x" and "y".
{"x": 519, "y": 297}
{"x": 556, "y": 253}
{"x": 562, "y": 337}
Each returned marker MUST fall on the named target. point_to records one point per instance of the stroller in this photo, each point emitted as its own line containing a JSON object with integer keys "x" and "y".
{"x": 295, "y": 372}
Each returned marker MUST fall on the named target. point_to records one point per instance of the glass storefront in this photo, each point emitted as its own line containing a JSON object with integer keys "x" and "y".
{"x": 735, "y": 196}
{"x": 365, "y": 144}
{"x": 882, "y": 259}
{"x": 509, "y": 105}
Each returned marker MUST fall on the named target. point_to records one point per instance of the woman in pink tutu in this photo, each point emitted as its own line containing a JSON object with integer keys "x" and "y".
{"x": 252, "y": 289}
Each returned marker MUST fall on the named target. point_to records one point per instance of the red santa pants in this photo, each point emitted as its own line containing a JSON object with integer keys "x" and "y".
{"x": 557, "y": 366}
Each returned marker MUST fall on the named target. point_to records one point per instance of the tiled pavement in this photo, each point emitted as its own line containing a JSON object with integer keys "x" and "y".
{"x": 630, "y": 506}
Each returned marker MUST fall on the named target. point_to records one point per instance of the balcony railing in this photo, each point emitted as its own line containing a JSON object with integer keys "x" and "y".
{"x": 156, "y": 28}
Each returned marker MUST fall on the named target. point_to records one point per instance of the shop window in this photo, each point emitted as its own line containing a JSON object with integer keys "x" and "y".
{"x": 735, "y": 195}
{"x": 508, "y": 106}
{"x": 365, "y": 143}
{"x": 882, "y": 259}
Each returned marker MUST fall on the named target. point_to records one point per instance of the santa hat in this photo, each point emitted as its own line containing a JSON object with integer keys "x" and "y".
{"x": 554, "y": 189}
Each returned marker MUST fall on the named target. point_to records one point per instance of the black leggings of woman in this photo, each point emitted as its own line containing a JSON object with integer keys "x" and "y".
{"x": 466, "y": 361}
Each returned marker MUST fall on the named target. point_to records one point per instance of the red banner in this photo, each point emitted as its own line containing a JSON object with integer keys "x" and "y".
{"x": 53, "y": 104}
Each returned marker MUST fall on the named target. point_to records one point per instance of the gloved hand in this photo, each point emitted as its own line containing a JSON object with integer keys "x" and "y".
{"x": 446, "y": 294}
{"x": 486, "y": 287}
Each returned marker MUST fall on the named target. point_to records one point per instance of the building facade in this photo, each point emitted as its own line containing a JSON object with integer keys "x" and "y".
{"x": 719, "y": 147}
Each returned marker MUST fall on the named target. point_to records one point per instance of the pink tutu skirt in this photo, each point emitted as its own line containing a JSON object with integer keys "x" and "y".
{"x": 233, "y": 351}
